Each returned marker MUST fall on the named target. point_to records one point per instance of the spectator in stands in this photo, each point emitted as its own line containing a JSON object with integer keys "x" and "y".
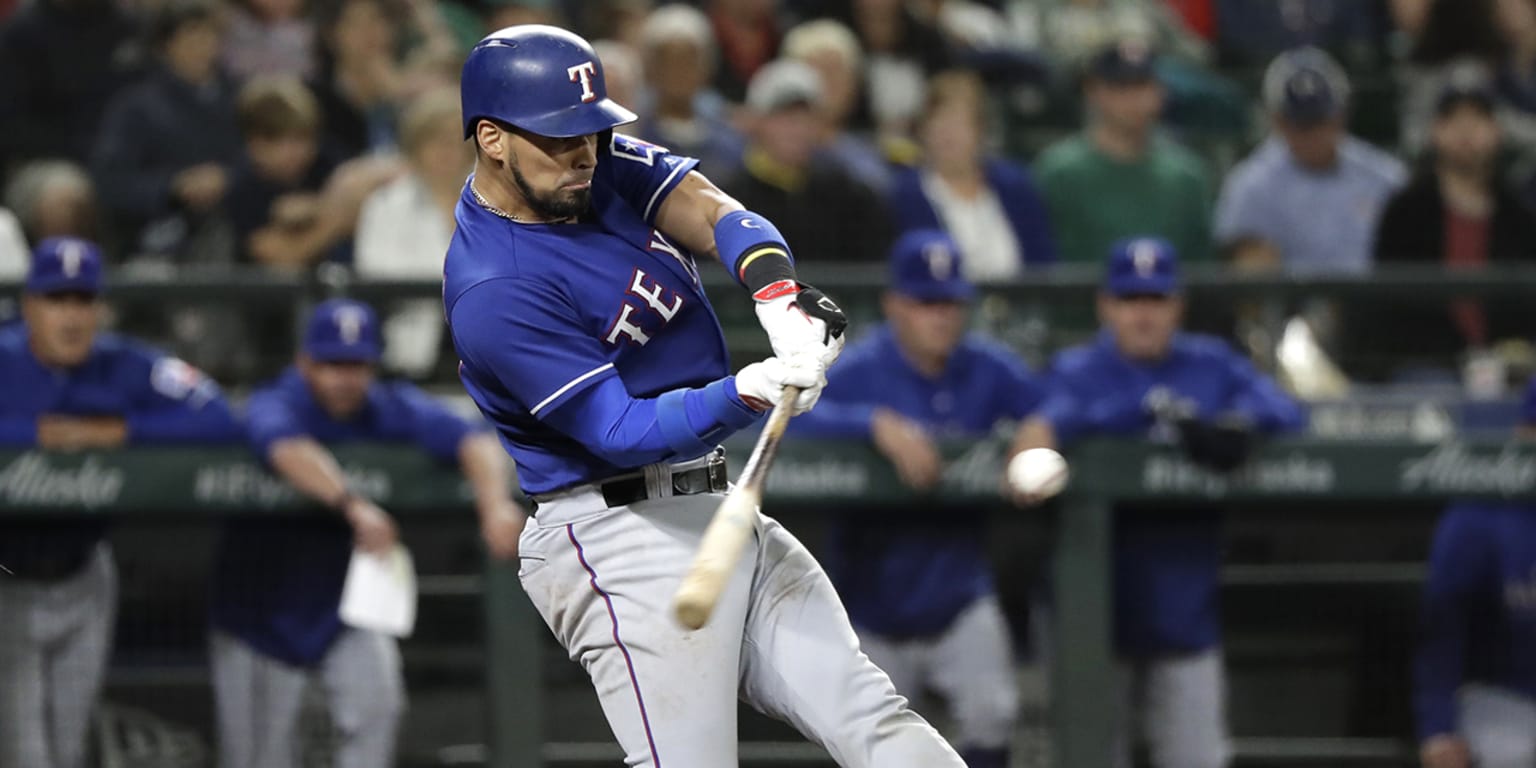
{"x": 1456, "y": 213}
{"x": 60, "y": 63}
{"x": 53, "y": 198}
{"x": 1119, "y": 177}
{"x": 278, "y": 582}
{"x": 1515, "y": 21}
{"x": 1455, "y": 34}
{"x": 919, "y": 591}
{"x": 1072, "y": 32}
{"x": 624, "y": 75}
{"x": 65, "y": 386}
{"x": 901, "y": 51}
{"x": 275, "y": 204}
{"x": 828, "y": 215}
{"x": 166, "y": 145}
{"x": 1475, "y": 673}
{"x": 1254, "y": 31}
{"x": 405, "y": 226}
{"x": 619, "y": 20}
{"x": 681, "y": 112}
{"x": 269, "y": 37}
{"x": 989, "y": 206}
{"x": 747, "y": 32}
{"x": 360, "y": 75}
{"x": 830, "y": 47}
{"x": 1145, "y": 379}
{"x": 1309, "y": 197}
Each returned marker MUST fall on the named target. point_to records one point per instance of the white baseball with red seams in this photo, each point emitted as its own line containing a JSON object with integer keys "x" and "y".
{"x": 1039, "y": 472}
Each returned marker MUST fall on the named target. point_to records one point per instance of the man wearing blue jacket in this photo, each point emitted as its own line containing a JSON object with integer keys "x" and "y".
{"x": 1145, "y": 378}
{"x": 278, "y": 582}
{"x": 1475, "y": 674}
{"x": 917, "y": 586}
{"x": 66, "y": 386}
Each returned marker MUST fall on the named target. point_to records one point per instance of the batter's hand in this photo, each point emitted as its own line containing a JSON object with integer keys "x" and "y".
{"x": 801, "y": 320}
{"x": 501, "y": 525}
{"x": 908, "y": 447}
{"x": 372, "y": 527}
{"x": 761, "y": 385}
{"x": 1446, "y": 750}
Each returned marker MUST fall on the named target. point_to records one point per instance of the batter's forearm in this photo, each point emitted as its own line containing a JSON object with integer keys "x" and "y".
{"x": 310, "y": 468}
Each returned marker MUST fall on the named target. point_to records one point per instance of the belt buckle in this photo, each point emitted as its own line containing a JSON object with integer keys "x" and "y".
{"x": 716, "y": 469}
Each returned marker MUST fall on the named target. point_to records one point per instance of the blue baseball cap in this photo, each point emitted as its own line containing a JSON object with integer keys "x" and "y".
{"x": 1142, "y": 266}
{"x": 65, "y": 264}
{"x": 343, "y": 330}
{"x": 926, "y": 265}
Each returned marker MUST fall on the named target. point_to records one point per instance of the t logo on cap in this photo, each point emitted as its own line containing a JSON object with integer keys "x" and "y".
{"x": 941, "y": 260}
{"x": 349, "y": 323}
{"x": 1144, "y": 257}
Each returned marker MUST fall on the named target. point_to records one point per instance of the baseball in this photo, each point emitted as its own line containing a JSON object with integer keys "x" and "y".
{"x": 1039, "y": 472}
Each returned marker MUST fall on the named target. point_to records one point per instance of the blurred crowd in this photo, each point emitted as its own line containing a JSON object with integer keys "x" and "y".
{"x": 1316, "y": 136}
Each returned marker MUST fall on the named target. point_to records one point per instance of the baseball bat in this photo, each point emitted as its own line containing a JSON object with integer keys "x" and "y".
{"x": 732, "y": 525}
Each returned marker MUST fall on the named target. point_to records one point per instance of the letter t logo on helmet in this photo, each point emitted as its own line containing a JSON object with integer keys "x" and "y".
{"x": 583, "y": 73}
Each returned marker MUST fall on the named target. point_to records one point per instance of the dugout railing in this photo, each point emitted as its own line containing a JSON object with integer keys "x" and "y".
{"x": 192, "y": 486}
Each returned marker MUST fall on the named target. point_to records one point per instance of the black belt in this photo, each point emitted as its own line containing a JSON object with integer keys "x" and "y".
{"x": 620, "y": 492}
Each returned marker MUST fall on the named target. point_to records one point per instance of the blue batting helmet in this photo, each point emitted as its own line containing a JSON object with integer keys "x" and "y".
{"x": 541, "y": 79}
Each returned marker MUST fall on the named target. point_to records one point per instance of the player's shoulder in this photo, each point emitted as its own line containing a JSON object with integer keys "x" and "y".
{"x": 1078, "y": 360}
{"x": 1372, "y": 162}
{"x": 13, "y": 341}
{"x": 118, "y": 351}
{"x": 1202, "y": 347}
{"x": 1062, "y": 157}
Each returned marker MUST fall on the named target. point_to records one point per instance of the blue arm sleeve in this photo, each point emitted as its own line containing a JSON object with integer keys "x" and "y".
{"x": 846, "y": 409}
{"x": 437, "y": 430}
{"x": 1455, "y": 574}
{"x": 1260, "y": 399}
{"x": 628, "y": 431}
{"x": 18, "y": 431}
{"x": 178, "y": 404}
{"x": 268, "y": 420}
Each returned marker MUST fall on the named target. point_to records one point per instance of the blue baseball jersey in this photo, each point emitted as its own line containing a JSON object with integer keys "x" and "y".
{"x": 1166, "y": 561}
{"x": 546, "y": 317}
{"x": 911, "y": 574}
{"x": 1479, "y": 609}
{"x": 277, "y": 582}
{"x": 162, "y": 400}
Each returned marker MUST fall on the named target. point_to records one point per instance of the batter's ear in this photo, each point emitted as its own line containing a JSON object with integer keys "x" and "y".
{"x": 492, "y": 140}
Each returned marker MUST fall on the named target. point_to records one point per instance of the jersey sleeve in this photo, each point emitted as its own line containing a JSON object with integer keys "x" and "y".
{"x": 177, "y": 403}
{"x": 1260, "y": 399}
{"x": 269, "y": 418}
{"x": 1458, "y": 558}
{"x": 644, "y": 174}
{"x": 528, "y": 337}
{"x": 437, "y": 430}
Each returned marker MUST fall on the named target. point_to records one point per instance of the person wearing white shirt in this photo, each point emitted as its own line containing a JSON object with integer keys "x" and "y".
{"x": 405, "y": 226}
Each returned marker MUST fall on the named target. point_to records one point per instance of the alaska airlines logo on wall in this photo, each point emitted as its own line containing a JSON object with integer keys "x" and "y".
{"x": 1452, "y": 468}
{"x": 31, "y": 479}
{"x": 1290, "y": 473}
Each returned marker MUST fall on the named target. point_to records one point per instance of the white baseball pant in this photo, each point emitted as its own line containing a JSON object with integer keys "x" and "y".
{"x": 970, "y": 664}
{"x": 1499, "y": 726}
{"x": 1180, "y": 703}
{"x": 55, "y": 638}
{"x": 603, "y": 579}
{"x": 259, "y": 700}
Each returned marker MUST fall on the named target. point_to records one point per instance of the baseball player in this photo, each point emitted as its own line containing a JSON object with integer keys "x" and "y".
{"x": 278, "y": 582}
{"x": 1145, "y": 378}
{"x": 572, "y": 295}
{"x": 1475, "y": 674}
{"x": 917, "y": 587}
{"x": 66, "y": 386}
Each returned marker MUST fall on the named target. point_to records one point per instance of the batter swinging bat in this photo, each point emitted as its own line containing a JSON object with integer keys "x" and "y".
{"x": 732, "y": 524}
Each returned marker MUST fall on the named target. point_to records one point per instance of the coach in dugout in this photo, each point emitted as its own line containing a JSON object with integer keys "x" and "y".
{"x": 65, "y": 386}
{"x": 1145, "y": 378}
{"x": 918, "y": 587}
{"x": 1475, "y": 673}
{"x": 278, "y": 582}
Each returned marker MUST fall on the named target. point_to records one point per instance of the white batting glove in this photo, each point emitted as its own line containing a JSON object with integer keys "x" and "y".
{"x": 761, "y": 385}
{"x": 801, "y": 320}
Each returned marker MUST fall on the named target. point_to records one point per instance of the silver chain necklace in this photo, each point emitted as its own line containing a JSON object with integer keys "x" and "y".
{"x": 486, "y": 204}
